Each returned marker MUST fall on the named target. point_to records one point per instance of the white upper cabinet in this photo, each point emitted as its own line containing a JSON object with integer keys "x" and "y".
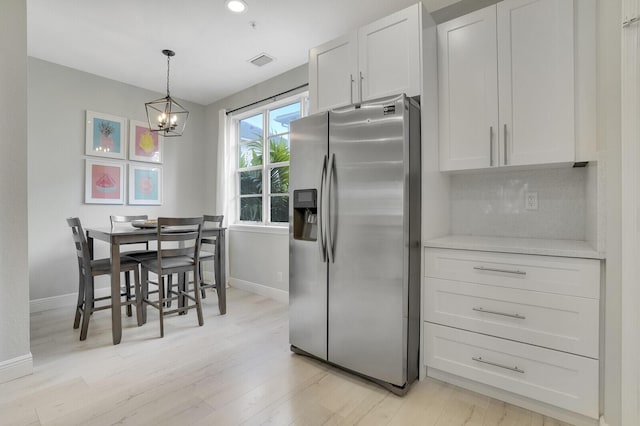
{"x": 379, "y": 59}
{"x": 468, "y": 91}
{"x": 506, "y": 86}
{"x": 333, "y": 69}
{"x": 389, "y": 55}
{"x": 536, "y": 87}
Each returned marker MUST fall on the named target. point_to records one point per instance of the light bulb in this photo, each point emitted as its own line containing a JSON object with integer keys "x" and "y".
{"x": 236, "y": 6}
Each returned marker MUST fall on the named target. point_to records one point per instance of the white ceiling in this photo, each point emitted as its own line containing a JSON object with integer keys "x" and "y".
{"x": 123, "y": 39}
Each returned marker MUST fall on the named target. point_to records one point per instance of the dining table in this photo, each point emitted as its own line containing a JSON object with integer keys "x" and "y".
{"x": 117, "y": 236}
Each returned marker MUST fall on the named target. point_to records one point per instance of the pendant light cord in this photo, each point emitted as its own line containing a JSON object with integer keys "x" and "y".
{"x": 168, "y": 65}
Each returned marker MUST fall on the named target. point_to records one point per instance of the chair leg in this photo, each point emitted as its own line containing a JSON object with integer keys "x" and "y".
{"x": 202, "y": 290}
{"x": 127, "y": 287}
{"x": 161, "y": 303}
{"x": 196, "y": 291}
{"x": 169, "y": 286}
{"x": 80, "y": 303}
{"x": 138, "y": 295}
{"x": 88, "y": 307}
{"x": 145, "y": 294}
{"x": 182, "y": 291}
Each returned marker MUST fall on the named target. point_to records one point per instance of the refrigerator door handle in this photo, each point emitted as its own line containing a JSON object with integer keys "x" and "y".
{"x": 329, "y": 230}
{"x": 322, "y": 238}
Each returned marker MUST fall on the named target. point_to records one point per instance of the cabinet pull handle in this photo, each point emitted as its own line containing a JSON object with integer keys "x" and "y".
{"x": 505, "y": 144}
{"x": 351, "y": 88}
{"x": 628, "y": 22}
{"x": 506, "y": 271}
{"x": 486, "y": 311}
{"x": 361, "y": 78}
{"x": 506, "y": 367}
{"x": 491, "y": 146}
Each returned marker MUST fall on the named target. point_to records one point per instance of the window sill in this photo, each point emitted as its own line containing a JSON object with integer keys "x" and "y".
{"x": 260, "y": 229}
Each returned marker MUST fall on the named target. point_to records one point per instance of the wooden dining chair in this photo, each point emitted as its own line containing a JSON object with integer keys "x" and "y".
{"x": 88, "y": 269}
{"x": 172, "y": 259}
{"x": 139, "y": 254}
{"x": 208, "y": 252}
{"x": 136, "y": 254}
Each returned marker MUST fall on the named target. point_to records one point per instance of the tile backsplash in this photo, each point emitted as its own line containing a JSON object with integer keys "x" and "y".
{"x": 493, "y": 203}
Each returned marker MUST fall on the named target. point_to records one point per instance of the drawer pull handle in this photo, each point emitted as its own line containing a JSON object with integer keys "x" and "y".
{"x": 506, "y": 271}
{"x": 486, "y": 311}
{"x": 506, "y": 367}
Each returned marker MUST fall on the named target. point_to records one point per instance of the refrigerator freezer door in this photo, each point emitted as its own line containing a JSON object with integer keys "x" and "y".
{"x": 367, "y": 271}
{"x": 307, "y": 268}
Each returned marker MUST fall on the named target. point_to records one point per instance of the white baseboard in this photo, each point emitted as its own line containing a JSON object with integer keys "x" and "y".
{"x": 62, "y": 301}
{"x": 70, "y": 299}
{"x": 16, "y": 367}
{"x": 263, "y": 290}
{"x": 603, "y": 422}
{"x": 47, "y": 303}
{"x": 521, "y": 401}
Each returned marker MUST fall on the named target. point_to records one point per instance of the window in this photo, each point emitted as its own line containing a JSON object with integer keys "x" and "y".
{"x": 263, "y": 180}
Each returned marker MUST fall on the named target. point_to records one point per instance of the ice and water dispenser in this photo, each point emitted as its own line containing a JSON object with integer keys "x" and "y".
{"x": 305, "y": 214}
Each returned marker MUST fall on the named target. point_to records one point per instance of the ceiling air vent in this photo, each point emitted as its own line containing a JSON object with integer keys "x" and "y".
{"x": 261, "y": 59}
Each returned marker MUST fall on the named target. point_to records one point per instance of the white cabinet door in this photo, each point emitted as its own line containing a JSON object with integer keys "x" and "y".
{"x": 536, "y": 81}
{"x": 557, "y": 378}
{"x": 468, "y": 91}
{"x": 333, "y": 68}
{"x": 389, "y": 55}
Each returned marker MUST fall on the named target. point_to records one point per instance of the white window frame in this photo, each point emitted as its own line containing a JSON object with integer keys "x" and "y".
{"x": 266, "y": 160}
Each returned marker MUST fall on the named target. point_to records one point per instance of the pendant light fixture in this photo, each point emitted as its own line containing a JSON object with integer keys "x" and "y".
{"x": 165, "y": 115}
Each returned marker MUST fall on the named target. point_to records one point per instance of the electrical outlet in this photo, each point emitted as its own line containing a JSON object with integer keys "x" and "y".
{"x": 279, "y": 277}
{"x": 531, "y": 201}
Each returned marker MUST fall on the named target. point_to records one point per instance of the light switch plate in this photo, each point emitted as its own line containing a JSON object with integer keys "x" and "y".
{"x": 531, "y": 201}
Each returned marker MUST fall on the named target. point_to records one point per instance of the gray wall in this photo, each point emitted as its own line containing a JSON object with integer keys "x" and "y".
{"x": 58, "y": 99}
{"x": 609, "y": 142}
{"x": 14, "y": 278}
{"x": 255, "y": 257}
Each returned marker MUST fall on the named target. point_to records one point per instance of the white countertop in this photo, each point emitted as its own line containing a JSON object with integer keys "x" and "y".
{"x": 564, "y": 248}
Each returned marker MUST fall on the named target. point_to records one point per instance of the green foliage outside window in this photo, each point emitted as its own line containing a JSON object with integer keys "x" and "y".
{"x": 251, "y": 181}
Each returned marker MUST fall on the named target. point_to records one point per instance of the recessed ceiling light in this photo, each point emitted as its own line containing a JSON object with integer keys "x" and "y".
{"x": 236, "y": 6}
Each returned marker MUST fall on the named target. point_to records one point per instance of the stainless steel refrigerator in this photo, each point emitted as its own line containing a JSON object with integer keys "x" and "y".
{"x": 354, "y": 240}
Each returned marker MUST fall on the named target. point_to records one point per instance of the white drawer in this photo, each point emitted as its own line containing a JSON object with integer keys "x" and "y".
{"x": 555, "y": 321}
{"x": 557, "y": 378}
{"x": 560, "y": 275}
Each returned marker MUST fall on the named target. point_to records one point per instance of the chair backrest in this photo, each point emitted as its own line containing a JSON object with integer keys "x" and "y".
{"x": 115, "y": 219}
{"x": 126, "y": 219}
{"x": 216, "y": 220}
{"x": 80, "y": 241}
{"x": 187, "y": 231}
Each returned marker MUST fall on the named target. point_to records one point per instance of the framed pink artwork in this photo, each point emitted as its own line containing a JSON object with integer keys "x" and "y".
{"x": 144, "y": 145}
{"x": 145, "y": 185}
{"x": 104, "y": 182}
{"x": 105, "y": 135}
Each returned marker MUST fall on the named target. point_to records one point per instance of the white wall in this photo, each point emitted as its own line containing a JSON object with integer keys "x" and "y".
{"x": 609, "y": 136}
{"x": 255, "y": 257}
{"x": 15, "y": 358}
{"x": 58, "y": 98}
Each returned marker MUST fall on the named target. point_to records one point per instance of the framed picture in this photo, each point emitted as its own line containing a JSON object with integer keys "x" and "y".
{"x": 104, "y": 182}
{"x": 105, "y": 135}
{"x": 144, "y": 145}
{"x": 145, "y": 184}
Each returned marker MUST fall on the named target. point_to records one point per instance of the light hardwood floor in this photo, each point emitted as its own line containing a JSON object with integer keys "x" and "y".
{"x": 236, "y": 369}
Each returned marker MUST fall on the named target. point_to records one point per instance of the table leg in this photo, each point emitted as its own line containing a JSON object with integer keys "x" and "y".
{"x": 221, "y": 272}
{"x": 116, "y": 314}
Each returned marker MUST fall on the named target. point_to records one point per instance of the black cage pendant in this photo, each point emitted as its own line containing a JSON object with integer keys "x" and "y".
{"x": 166, "y": 116}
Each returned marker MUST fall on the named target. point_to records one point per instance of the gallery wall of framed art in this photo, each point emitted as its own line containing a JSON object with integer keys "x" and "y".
{"x": 117, "y": 151}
